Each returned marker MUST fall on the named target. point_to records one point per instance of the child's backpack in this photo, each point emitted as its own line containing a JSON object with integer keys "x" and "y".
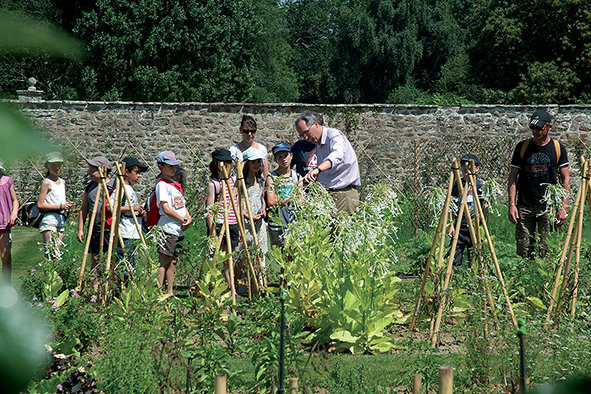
{"x": 152, "y": 209}
{"x": 30, "y": 214}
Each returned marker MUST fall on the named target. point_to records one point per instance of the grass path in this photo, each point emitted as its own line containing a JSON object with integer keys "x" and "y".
{"x": 25, "y": 250}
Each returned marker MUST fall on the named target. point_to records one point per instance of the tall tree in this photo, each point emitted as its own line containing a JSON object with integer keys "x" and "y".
{"x": 387, "y": 44}
{"x": 273, "y": 76}
{"x": 168, "y": 50}
{"x": 523, "y": 47}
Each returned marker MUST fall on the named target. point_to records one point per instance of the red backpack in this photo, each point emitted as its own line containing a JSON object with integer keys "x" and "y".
{"x": 153, "y": 211}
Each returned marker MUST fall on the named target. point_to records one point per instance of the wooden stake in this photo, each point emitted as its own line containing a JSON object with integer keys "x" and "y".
{"x": 416, "y": 383}
{"x": 220, "y": 384}
{"x": 441, "y": 226}
{"x": 129, "y": 203}
{"x": 226, "y": 175}
{"x": 293, "y": 385}
{"x": 565, "y": 248}
{"x": 89, "y": 235}
{"x": 228, "y": 244}
{"x": 450, "y": 260}
{"x": 575, "y": 241}
{"x": 446, "y": 380}
{"x": 240, "y": 180}
{"x": 103, "y": 172}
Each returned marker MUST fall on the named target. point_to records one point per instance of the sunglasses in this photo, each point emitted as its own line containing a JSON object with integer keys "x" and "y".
{"x": 251, "y": 131}
{"x": 533, "y": 127}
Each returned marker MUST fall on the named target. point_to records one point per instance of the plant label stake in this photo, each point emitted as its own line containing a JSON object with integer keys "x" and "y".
{"x": 523, "y": 368}
{"x": 281, "y": 374}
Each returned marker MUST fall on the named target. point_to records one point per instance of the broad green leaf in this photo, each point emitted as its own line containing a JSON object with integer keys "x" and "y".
{"x": 343, "y": 336}
{"x": 537, "y": 302}
{"x": 61, "y": 299}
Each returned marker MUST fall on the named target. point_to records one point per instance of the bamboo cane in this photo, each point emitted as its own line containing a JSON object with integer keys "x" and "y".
{"x": 114, "y": 229}
{"x": 240, "y": 179}
{"x": 89, "y": 235}
{"x": 578, "y": 251}
{"x": 496, "y": 263}
{"x": 464, "y": 207}
{"x": 450, "y": 260}
{"x": 142, "y": 157}
{"x": 219, "y": 241}
{"x": 565, "y": 249}
{"x": 247, "y": 249}
{"x": 440, "y": 230}
{"x": 229, "y": 245}
{"x": 226, "y": 174}
{"x": 577, "y": 261}
{"x": 575, "y": 241}
{"x": 133, "y": 215}
{"x": 103, "y": 172}
{"x": 479, "y": 220}
{"x": 113, "y": 222}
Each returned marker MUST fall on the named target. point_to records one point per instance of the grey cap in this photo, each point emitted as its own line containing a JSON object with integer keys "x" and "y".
{"x": 100, "y": 161}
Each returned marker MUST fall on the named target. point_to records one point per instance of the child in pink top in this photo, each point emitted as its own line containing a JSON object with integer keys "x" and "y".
{"x": 214, "y": 190}
{"x": 8, "y": 214}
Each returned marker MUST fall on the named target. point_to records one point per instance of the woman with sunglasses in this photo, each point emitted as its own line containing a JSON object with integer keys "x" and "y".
{"x": 248, "y": 129}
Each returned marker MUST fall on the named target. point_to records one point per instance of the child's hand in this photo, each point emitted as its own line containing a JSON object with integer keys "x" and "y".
{"x": 80, "y": 236}
{"x": 451, "y": 231}
{"x": 187, "y": 222}
{"x": 68, "y": 205}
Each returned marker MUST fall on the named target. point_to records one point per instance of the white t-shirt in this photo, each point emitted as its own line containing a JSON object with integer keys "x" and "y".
{"x": 127, "y": 226}
{"x": 170, "y": 194}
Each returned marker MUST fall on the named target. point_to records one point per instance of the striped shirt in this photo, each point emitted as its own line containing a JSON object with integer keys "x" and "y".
{"x": 217, "y": 184}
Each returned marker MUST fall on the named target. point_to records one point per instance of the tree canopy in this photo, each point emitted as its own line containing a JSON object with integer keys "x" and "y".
{"x": 329, "y": 51}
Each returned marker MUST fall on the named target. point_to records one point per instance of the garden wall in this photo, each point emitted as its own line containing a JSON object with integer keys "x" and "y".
{"x": 408, "y": 145}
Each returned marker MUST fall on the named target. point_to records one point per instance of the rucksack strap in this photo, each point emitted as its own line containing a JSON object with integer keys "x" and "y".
{"x": 526, "y": 144}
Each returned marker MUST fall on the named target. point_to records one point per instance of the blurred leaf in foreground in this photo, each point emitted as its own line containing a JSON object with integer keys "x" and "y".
{"x": 20, "y": 35}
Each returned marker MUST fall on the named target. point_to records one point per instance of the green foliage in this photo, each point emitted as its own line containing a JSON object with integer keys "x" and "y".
{"x": 340, "y": 270}
{"x": 540, "y": 60}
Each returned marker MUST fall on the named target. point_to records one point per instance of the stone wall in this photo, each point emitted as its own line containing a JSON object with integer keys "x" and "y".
{"x": 407, "y": 145}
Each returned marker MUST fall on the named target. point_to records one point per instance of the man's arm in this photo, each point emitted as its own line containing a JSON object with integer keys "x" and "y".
{"x": 512, "y": 192}
{"x": 565, "y": 181}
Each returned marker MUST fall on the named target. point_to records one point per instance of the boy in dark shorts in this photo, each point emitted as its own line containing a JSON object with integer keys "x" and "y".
{"x": 174, "y": 218}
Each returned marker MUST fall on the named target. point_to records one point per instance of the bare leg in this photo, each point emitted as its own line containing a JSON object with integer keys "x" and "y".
{"x": 94, "y": 258}
{"x": 165, "y": 264}
{"x": 46, "y": 237}
{"x": 5, "y": 250}
{"x": 170, "y": 272}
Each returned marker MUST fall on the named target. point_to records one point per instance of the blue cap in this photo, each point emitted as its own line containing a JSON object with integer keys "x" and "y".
{"x": 252, "y": 154}
{"x": 281, "y": 147}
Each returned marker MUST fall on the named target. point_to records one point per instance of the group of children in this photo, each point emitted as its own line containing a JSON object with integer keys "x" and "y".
{"x": 269, "y": 197}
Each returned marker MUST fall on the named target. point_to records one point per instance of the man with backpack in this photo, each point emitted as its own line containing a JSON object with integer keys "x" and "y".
{"x": 536, "y": 163}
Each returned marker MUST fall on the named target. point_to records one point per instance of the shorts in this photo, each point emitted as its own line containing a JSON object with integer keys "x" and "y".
{"x": 234, "y": 233}
{"x": 54, "y": 222}
{"x": 172, "y": 245}
{"x": 5, "y": 230}
{"x": 95, "y": 242}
